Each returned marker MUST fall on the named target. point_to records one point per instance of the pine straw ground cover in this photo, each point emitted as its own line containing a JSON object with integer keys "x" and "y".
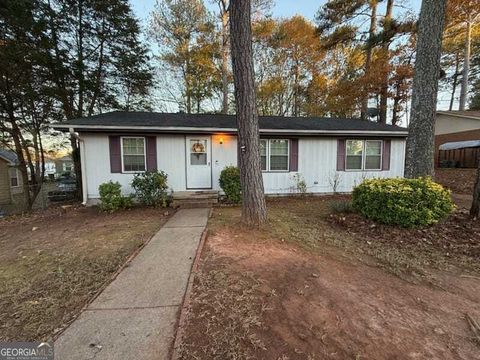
{"x": 53, "y": 262}
{"x": 459, "y": 181}
{"x": 314, "y": 285}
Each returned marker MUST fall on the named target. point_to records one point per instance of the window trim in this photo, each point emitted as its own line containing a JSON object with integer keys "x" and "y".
{"x": 268, "y": 170}
{"x": 17, "y": 177}
{"x": 364, "y": 155}
{"x": 144, "y": 153}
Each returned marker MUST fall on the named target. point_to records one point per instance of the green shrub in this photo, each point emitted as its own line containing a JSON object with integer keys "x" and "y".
{"x": 111, "y": 197}
{"x": 405, "y": 202}
{"x": 230, "y": 183}
{"x": 151, "y": 188}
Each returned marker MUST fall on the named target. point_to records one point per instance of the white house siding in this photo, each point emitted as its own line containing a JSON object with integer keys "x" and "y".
{"x": 171, "y": 159}
{"x": 316, "y": 164}
{"x": 222, "y": 155}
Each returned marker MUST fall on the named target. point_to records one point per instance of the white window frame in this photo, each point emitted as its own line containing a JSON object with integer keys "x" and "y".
{"x": 144, "y": 153}
{"x": 64, "y": 166}
{"x": 10, "y": 178}
{"x": 364, "y": 155}
{"x": 268, "y": 157}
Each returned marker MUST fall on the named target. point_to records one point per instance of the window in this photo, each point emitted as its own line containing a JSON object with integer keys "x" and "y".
{"x": 263, "y": 154}
{"x": 67, "y": 167}
{"x": 373, "y": 155}
{"x": 354, "y": 155}
{"x": 198, "y": 152}
{"x": 13, "y": 173}
{"x": 133, "y": 154}
{"x": 274, "y": 154}
{"x": 363, "y": 155}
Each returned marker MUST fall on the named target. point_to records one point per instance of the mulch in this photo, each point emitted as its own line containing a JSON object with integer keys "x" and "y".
{"x": 457, "y": 235}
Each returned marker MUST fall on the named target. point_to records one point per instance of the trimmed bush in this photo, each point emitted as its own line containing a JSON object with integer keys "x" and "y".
{"x": 404, "y": 202}
{"x": 230, "y": 183}
{"x": 151, "y": 188}
{"x": 342, "y": 206}
{"x": 111, "y": 197}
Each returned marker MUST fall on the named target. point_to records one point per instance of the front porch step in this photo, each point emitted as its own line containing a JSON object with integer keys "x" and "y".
{"x": 193, "y": 199}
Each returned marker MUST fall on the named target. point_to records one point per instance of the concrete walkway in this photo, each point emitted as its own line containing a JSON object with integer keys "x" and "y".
{"x": 135, "y": 316}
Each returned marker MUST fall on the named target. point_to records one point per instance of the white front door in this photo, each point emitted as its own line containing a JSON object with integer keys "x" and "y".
{"x": 199, "y": 155}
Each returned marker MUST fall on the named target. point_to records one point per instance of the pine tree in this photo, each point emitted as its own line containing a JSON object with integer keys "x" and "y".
{"x": 189, "y": 46}
{"x": 420, "y": 142}
{"x": 254, "y": 209}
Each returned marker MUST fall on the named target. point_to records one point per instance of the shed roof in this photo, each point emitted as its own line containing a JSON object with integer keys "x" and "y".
{"x": 182, "y": 122}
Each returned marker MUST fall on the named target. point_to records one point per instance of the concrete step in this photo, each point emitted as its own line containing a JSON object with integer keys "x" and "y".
{"x": 186, "y": 195}
{"x": 195, "y": 199}
{"x": 193, "y": 204}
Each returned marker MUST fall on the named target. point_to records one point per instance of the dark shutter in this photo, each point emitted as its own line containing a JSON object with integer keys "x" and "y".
{"x": 115, "y": 154}
{"x": 151, "y": 153}
{"x": 293, "y": 154}
{"x": 340, "y": 155}
{"x": 386, "y": 155}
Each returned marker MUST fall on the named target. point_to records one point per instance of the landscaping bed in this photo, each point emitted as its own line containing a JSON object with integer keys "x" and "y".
{"x": 53, "y": 262}
{"x": 459, "y": 181}
{"x": 453, "y": 242}
{"x": 312, "y": 286}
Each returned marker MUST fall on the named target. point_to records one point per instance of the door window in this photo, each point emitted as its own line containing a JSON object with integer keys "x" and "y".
{"x": 198, "y": 152}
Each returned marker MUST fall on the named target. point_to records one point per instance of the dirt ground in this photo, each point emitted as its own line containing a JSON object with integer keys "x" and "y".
{"x": 52, "y": 262}
{"x": 308, "y": 287}
{"x": 460, "y": 181}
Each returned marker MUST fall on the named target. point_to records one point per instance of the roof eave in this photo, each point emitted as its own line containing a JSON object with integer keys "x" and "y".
{"x": 176, "y": 129}
{"x": 447, "y": 113}
{"x": 10, "y": 162}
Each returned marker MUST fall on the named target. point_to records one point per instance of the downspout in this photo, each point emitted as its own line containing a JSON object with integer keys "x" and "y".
{"x": 82, "y": 164}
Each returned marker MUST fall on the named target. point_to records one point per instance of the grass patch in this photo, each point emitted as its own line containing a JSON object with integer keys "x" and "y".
{"x": 53, "y": 264}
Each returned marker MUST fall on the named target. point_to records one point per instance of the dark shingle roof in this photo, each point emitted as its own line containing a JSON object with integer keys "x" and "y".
{"x": 220, "y": 121}
{"x": 9, "y": 156}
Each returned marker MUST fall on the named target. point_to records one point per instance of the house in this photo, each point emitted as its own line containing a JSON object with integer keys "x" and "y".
{"x": 56, "y": 167}
{"x": 328, "y": 154}
{"x": 11, "y": 189}
{"x": 63, "y": 165}
{"x": 456, "y": 136}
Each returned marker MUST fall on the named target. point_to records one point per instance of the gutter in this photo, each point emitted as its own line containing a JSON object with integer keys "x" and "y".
{"x": 82, "y": 164}
{"x": 174, "y": 129}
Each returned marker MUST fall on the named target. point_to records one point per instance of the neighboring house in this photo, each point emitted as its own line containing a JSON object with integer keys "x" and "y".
{"x": 64, "y": 165}
{"x": 11, "y": 189}
{"x": 55, "y": 167}
{"x": 329, "y": 154}
{"x": 458, "y": 132}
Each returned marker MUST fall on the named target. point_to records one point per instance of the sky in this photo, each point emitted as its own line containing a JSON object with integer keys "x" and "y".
{"x": 282, "y": 8}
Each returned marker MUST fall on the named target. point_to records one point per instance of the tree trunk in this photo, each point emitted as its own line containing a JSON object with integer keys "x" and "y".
{"x": 254, "y": 209}
{"x": 420, "y": 142}
{"x": 455, "y": 81}
{"x": 396, "y": 104}
{"x": 80, "y": 61}
{"x": 466, "y": 67}
{"x": 368, "y": 58}
{"x": 224, "y": 60}
{"x": 387, "y": 25}
{"x": 475, "y": 209}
